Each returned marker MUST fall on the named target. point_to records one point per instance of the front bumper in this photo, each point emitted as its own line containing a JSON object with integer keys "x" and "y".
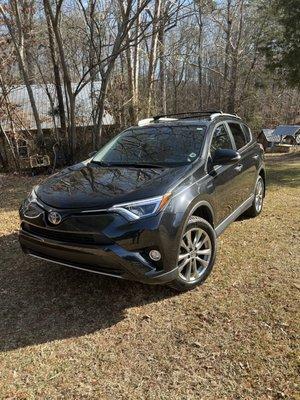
{"x": 104, "y": 243}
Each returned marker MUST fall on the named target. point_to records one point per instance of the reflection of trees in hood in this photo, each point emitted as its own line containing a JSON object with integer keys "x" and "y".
{"x": 88, "y": 179}
{"x": 89, "y": 176}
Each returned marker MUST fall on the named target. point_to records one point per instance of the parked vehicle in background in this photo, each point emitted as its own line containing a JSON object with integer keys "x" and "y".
{"x": 150, "y": 204}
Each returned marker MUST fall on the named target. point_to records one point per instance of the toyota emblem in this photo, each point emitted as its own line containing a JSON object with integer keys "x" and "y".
{"x": 54, "y": 218}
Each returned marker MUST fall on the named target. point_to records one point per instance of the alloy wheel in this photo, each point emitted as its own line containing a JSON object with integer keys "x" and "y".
{"x": 195, "y": 254}
{"x": 259, "y": 194}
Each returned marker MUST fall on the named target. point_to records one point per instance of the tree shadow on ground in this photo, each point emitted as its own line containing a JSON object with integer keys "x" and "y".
{"x": 283, "y": 157}
{"x": 41, "y": 302}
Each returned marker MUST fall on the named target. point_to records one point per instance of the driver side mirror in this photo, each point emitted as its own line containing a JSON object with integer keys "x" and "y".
{"x": 225, "y": 156}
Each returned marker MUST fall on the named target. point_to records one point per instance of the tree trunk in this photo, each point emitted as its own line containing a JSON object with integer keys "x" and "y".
{"x": 200, "y": 34}
{"x": 133, "y": 65}
{"x": 130, "y": 80}
{"x": 232, "y": 86}
{"x": 90, "y": 17}
{"x": 27, "y": 11}
{"x": 11, "y": 147}
{"x": 57, "y": 80}
{"x": 100, "y": 109}
{"x": 153, "y": 54}
{"x": 175, "y": 96}
{"x": 136, "y": 65}
{"x": 162, "y": 68}
{"x": 234, "y": 66}
{"x": 3, "y": 155}
{"x": 67, "y": 79}
{"x": 20, "y": 58}
{"x": 227, "y": 54}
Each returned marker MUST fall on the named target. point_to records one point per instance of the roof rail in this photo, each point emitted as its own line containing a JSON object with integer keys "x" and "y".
{"x": 212, "y": 114}
{"x": 150, "y": 120}
{"x": 215, "y": 115}
{"x": 184, "y": 115}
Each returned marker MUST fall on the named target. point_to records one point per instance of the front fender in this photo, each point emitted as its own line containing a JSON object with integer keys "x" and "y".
{"x": 181, "y": 207}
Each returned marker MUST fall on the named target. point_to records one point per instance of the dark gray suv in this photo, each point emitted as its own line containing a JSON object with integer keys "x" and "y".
{"x": 150, "y": 204}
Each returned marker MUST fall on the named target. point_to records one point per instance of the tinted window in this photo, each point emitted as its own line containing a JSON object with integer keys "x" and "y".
{"x": 238, "y": 135}
{"x": 169, "y": 145}
{"x": 247, "y": 133}
{"x": 220, "y": 140}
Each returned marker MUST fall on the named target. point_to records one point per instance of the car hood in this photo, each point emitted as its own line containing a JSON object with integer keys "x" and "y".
{"x": 88, "y": 185}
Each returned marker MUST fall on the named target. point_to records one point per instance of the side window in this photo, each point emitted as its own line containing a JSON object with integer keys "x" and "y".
{"x": 220, "y": 140}
{"x": 247, "y": 133}
{"x": 238, "y": 135}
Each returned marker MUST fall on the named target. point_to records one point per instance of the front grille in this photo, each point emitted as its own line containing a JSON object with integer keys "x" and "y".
{"x": 69, "y": 237}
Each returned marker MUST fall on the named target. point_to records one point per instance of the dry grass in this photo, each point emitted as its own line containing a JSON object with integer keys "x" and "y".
{"x": 71, "y": 335}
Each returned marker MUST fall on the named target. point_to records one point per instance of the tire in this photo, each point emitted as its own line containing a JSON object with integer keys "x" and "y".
{"x": 257, "y": 204}
{"x": 198, "y": 243}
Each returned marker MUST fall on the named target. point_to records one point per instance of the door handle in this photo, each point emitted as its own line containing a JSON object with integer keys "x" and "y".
{"x": 255, "y": 157}
{"x": 239, "y": 167}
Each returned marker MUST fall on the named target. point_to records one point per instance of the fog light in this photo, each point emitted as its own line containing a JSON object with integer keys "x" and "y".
{"x": 155, "y": 255}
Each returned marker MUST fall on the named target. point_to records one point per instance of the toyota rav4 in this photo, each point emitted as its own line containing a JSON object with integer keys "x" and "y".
{"x": 151, "y": 203}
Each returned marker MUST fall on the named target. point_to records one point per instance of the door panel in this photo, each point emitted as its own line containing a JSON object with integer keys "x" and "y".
{"x": 249, "y": 171}
{"x": 221, "y": 183}
{"x": 246, "y": 167}
{"x": 221, "y": 186}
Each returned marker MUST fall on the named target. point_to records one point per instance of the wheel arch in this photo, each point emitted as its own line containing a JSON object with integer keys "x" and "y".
{"x": 200, "y": 209}
{"x": 205, "y": 211}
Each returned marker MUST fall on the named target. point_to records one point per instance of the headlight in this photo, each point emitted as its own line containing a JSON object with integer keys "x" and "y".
{"x": 142, "y": 208}
{"x": 33, "y": 194}
{"x": 29, "y": 206}
{"x": 30, "y": 198}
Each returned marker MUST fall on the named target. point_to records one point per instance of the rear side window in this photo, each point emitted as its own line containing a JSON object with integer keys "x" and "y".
{"x": 238, "y": 135}
{"x": 220, "y": 140}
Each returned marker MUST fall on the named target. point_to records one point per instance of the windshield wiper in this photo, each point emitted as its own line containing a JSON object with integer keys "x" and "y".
{"x": 135, "y": 165}
{"x": 102, "y": 163}
{"x": 139, "y": 165}
{"x": 145, "y": 165}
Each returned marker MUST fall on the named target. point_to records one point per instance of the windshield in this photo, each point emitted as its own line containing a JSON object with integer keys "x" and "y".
{"x": 176, "y": 145}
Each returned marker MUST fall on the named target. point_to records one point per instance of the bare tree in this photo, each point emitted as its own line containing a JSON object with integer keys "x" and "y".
{"x": 125, "y": 16}
{"x": 54, "y": 17}
{"x": 146, "y": 56}
{"x": 15, "y": 29}
{"x": 56, "y": 73}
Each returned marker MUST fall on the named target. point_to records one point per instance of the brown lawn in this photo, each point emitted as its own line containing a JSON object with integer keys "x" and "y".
{"x": 66, "y": 334}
